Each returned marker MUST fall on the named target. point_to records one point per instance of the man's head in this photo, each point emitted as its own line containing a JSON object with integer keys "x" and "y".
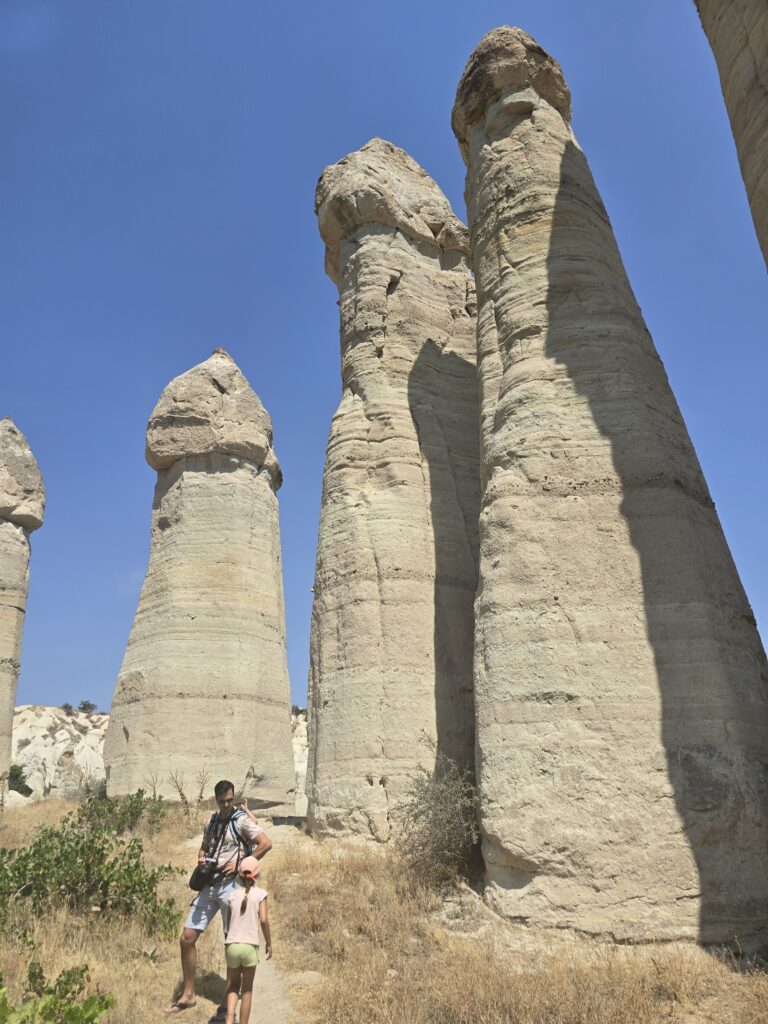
{"x": 224, "y": 791}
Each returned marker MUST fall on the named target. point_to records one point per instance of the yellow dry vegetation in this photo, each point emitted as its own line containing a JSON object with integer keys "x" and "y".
{"x": 384, "y": 952}
{"x": 386, "y": 957}
{"x": 142, "y": 971}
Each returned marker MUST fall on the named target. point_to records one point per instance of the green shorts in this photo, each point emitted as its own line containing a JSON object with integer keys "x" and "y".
{"x": 241, "y": 954}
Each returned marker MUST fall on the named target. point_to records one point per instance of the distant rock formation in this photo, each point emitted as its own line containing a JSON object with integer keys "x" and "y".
{"x": 61, "y": 753}
{"x": 620, "y": 682}
{"x": 738, "y": 33}
{"x": 391, "y": 643}
{"x": 300, "y": 757}
{"x": 22, "y": 506}
{"x": 204, "y": 681}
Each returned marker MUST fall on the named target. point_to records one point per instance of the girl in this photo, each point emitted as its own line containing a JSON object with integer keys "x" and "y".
{"x": 247, "y": 909}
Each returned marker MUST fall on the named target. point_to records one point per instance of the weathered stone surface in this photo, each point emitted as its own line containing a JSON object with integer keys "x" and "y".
{"x": 204, "y": 681}
{"x": 300, "y": 757}
{"x": 60, "y": 752}
{"x": 391, "y": 643}
{"x": 22, "y": 504}
{"x": 620, "y": 683}
{"x": 738, "y": 33}
{"x": 211, "y": 409}
{"x": 22, "y": 494}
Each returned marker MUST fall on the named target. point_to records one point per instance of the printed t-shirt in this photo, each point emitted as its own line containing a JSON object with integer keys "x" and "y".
{"x": 244, "y": 927}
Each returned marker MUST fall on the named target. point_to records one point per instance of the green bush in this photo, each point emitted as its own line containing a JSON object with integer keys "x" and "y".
{"x": 57, "y": 1003}
{"x": 438, "y": 816}
{"x": 66, "y": 708}
{"x": 122, "y": 814}
{"x": 87, "y": 707}
{"x": 91, "y": 870}
{"x": 17, "y": 780}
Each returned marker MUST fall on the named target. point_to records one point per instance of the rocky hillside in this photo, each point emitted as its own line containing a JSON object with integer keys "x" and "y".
{"x": 60, "y": 752}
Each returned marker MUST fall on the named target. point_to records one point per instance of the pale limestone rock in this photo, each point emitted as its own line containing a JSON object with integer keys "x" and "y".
{"x": 300, "y": 756}
{"x": 22, "y": 505}
{"x": 620, "y": 683}
{"x": 391, "y": 643}
{"x": 204, "y": 681}
{"x": 60, "y": 752}
{"x": 738, "y": 33}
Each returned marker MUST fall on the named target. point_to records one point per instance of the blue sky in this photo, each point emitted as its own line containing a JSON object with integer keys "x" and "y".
{"x": 156, "y": 201}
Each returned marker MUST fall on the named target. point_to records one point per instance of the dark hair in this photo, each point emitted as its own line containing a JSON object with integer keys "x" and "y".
{"x": 223, "y": 787}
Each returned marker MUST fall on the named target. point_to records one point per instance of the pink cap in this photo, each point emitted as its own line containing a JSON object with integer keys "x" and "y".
{"x": 249, "y": 867}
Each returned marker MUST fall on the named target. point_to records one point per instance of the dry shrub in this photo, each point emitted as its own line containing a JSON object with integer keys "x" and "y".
{"x": 142, "y": 970}
{"x": 350, "y": 912}
{"x": 438, "y": 822}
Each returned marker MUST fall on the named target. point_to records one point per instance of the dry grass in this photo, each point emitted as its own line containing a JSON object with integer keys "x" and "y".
{"x": 17, "y": 824}
{"x": 351, "y": 914}
{"x": 141, "y": 971}
{"x": 383, "y": 949}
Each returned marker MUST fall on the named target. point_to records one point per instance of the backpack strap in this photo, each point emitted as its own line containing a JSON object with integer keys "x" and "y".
{"x": 242, "y": 844}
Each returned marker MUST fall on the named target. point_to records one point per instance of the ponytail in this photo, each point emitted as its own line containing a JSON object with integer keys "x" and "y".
{"x": 248, "y": 883}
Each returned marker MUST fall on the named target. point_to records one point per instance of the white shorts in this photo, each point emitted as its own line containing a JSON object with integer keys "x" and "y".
{"x": 208, "y": 903}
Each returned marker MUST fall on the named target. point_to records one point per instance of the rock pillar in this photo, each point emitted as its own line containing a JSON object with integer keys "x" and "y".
{"x": 204, "y": 681}
{"x": 738, "y": 34}
{"x": 391, "y": 643}
{"x": 22, "y": 506}
{"x": 620, "y": 683}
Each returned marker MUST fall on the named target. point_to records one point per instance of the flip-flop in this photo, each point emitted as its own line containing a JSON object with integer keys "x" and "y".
{"x": 177, "y": 1007}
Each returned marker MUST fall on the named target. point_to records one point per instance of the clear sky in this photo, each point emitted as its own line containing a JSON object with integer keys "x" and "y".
{"x": 156, "y": 201}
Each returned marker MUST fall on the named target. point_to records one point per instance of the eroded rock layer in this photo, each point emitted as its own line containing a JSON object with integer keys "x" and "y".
{"x": 204, "y": 681}
{"x": 738, "y": 33}
{"x": 620, "y": 683}
{"x": 22, "y": 505}
{"x": 391, "y": 645}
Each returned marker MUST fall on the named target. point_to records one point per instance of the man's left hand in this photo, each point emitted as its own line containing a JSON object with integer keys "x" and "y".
{"x": 229, "y": 868}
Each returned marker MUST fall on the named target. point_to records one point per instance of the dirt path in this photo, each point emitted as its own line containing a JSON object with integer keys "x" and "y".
{"x": 273, "y": 988}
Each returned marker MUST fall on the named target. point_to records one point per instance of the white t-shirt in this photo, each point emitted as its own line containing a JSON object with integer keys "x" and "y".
{"x": 244, "y": 927}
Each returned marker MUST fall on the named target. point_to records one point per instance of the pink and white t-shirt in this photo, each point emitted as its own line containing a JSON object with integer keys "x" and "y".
{"x": 244, "y": 927}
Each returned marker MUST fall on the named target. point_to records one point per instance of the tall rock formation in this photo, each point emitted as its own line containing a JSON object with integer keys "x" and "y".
{"x": 204, "y": 681}
{"x": 22, "y": 506}
{"x": 620, "y": 683}
{"x": 738, "y": 34}
{"x": 391, "y": 644}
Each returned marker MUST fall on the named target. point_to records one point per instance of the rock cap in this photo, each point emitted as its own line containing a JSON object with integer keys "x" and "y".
{"x": 22, "y": 493}
{"x": 211, "y": 408}
{"x": 506, "y": 59}
{"x": 381, "y": 184}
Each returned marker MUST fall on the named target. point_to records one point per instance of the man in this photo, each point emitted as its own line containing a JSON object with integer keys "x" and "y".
{"x": 229, "y": 836}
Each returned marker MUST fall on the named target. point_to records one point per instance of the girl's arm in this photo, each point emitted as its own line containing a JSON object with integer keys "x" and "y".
{"x": 264, "y": 922}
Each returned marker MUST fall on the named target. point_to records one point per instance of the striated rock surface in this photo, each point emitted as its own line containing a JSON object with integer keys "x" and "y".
{"x": 204, "y": 681}
{"x": 620, "y": 683}
{"x": 60, "y": 751}
{"x": 738, "y": 33}
{"x": 391, "y": 643}
{"x": 22, "y": 505}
